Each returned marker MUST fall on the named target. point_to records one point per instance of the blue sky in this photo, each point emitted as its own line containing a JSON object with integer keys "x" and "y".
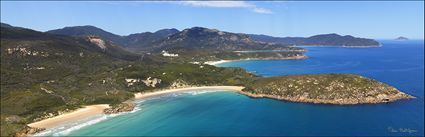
{"x": 381, "y": 20}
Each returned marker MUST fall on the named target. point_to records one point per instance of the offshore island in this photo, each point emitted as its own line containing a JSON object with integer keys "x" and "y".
{"x": 61, "y": 75}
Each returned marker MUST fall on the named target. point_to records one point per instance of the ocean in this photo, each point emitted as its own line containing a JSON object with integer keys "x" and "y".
{"x": 222, "y": 113}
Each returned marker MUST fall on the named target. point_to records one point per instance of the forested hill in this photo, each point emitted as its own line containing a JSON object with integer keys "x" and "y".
{"x": 205, "y": 39}
{"x": 196, "y": 38}
{"x": 43, "y": 75}
{"x": 319, "y": 40}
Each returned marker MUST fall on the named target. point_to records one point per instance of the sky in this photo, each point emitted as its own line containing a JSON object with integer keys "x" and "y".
{"x": 378, "y": 19}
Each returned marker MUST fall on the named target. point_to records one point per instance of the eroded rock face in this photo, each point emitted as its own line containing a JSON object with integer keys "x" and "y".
{"x": 27, "y": 131}
{"x": 123, "y": 107}
{"x": 179, "y": 84}
{"x": 98, "y": 41}
{"x": 131, "y": 82}
{"x": 151, "y": 82}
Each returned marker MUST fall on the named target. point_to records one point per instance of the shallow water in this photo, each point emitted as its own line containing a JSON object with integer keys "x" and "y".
{"x": 400, "y": 64}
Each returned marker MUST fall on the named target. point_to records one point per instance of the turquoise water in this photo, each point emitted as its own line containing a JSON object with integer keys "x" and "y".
{"x": 400, "y": 64}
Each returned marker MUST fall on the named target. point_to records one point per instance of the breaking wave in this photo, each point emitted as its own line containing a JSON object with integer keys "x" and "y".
{"x": 70, "y": 127}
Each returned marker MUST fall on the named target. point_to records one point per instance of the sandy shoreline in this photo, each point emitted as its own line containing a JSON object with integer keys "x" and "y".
{"x": 91, "y": 110}
{"x": 327, "y": 46}
{"x": 78, "y": 114}
{"x": 216, "y": 62}
{"x": 138, "y": 96}
{"x": 224, "y": 61}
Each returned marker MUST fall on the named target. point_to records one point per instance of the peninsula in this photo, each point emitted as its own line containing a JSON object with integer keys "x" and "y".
{"x": 341, "y": 89}
{"x": 321, "y": 40}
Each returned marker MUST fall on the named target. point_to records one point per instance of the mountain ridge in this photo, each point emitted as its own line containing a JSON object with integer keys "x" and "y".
{"x": 200, "y": 38}
{"x": 331, "y": 39}
{"x": 140, "y": 42}
{"x": 144, "y": 39}
{"x": 131, "y": 41}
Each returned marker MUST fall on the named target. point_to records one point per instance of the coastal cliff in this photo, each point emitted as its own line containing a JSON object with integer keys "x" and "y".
{"x": 324, "y": 89}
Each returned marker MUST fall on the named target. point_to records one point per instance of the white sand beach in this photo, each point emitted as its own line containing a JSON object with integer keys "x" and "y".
{"x": 284, "y": 58}
{"x": 216, "y": 62}
{"x": 157, "y": 93}
{"x": 78, "y": 114}
{"x": 91, "y": 110}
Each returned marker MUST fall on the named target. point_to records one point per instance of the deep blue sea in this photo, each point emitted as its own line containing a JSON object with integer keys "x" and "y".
{"x": 215, "y": 113}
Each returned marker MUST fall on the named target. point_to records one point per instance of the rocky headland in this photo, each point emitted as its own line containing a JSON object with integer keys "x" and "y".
{"x": 339, "y": 89}
{"x": 118, "y": 108}
{"x": 27, "y": 130}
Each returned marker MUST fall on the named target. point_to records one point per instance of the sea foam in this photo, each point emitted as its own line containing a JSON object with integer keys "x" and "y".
{"x": 68, "y": 128}
{"x": 64, "y": 130}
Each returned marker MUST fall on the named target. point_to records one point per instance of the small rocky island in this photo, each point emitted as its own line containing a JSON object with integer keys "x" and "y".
{"x": 401, "y": 38}
{"x": 325, "y": 89}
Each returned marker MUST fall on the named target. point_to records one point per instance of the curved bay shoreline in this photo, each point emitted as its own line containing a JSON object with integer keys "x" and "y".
{"x": 80, "y": 113}
{"x": 90, "y": 110}
{"x": 285, "y": 58}
{"x": 97, "y": 109}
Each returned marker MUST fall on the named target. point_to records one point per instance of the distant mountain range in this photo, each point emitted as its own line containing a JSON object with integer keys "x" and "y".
{"x": 319, "y": 40}
{"x": 83, "y": 31}
{"x": 92, "y": 43}
{"x": 146, "y": 39}
{"x": 196, "y": 38}
{"x": 199, "y": 38}
{"x": 138, "y": 40}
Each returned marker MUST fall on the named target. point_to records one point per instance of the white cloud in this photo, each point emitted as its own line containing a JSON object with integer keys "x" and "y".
{"x": 218, "y": 4}
{"x": 226, "y": 4}
{"x": 211, "y": 4}
{"x": 262, "y": 10}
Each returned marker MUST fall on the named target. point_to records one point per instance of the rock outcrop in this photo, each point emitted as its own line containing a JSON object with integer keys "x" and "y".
{"x": 151, "y": 82}
{"x": 97, "y": 41}
{"x": 123, "y": 107}
{"x": 131, "y": 82}
{"x": 27, "y": 131}
{"x": 179, "y": 84}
